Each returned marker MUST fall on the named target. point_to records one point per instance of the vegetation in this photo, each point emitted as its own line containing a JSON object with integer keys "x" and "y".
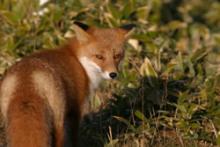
{"x": 168, "y": 92}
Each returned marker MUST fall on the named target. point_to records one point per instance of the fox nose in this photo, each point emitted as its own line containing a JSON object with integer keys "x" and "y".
{"x": 113, "y": 75}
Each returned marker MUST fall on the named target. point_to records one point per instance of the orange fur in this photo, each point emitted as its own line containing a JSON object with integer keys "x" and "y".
{"x": 43, "y": 96}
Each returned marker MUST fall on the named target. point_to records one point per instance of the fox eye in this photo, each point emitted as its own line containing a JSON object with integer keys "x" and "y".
{"x": 116, "y": 56}
{"x": 100, "y": 57}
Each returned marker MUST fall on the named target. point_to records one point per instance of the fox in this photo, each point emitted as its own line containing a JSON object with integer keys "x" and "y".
{"x": 43, "y": 96}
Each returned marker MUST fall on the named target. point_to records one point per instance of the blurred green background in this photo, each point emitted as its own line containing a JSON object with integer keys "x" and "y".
{"x": 168, "y": 90}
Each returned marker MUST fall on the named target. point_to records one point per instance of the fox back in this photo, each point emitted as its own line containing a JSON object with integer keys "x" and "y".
{"x": 42, "y": 97}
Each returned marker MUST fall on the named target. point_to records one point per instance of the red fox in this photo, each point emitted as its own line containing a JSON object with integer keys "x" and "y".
{"x": 42, "y": 97}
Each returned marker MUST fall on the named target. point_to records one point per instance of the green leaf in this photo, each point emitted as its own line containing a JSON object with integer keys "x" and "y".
{"x": 173, "y": 25}
{"x": 217, "y": 38}
{"x": 128, "y": 8}
{"x": 179, "y": 60}
{"x": 184, "y": 96}
{"x": 126, "y": 122}
{"x": 58, "y": 13}
{"x": 19, "y": 11}
{"x": 95, "y": 102}
{"x": 148, "y": 70}
{"x": 10, "y": 18}
{"x": 218, "y": 140}
{"x": 115, "y": 12}
{"x": 200, "y": 53}
{"x": 142, "y": 12}
{"x": 168, "y": 68}
{"x": 111, "y": 143}
{"x": 140, "y": 115}
{"x": 11, "y": 45}
{"x": 191, "y": 69}
{"x": 180, "y": 107}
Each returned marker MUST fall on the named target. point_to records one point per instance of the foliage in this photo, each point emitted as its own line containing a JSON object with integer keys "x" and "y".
{"x": 169, "y": 84}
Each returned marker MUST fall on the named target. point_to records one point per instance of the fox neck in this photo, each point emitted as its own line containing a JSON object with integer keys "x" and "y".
{"x": 93, "y": 71}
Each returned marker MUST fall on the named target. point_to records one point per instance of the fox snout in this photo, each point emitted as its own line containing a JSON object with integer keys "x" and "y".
{"x": 109, "y": 75}
{"x": 113, "y": 75}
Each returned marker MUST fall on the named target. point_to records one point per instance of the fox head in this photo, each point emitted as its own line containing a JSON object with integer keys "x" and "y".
{"x": 101, "y": 50}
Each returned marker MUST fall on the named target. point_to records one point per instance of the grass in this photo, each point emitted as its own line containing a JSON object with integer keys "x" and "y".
{"x": 168, "y": 90}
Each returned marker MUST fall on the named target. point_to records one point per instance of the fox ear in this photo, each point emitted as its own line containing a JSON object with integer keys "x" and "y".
{"x": 130, "y": 28}
{"x": 80, "y": 30}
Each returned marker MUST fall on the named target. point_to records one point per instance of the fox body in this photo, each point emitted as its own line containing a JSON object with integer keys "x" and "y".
{"x": 42, "y": 97}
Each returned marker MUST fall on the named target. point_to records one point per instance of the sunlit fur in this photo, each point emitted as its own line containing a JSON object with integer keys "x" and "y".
{"x": 8, "y": 87}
